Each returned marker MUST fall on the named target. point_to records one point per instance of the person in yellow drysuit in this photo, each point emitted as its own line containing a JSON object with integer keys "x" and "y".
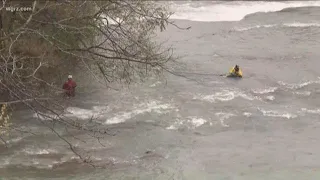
{"x": 235, "y": 72}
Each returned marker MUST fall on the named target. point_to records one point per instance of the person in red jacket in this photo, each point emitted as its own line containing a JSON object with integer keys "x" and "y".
{"x": 69, "y": 86}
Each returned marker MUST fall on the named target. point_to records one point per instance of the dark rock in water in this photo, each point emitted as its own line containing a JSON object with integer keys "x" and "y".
{"x": 198, "y": 133}
{"x": 151, "y": 154}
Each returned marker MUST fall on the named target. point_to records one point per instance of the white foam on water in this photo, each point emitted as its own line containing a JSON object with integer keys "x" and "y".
{"x": 247, "y": 114}
{"x": 298, "y": 85}
{"x": 95, "y": 158}
{"x": 37, "y": 163}
{"x": 14, "y": 140}
{"x": 115, "y": 160}
{"x": 265, "y": 91}
{"x": 176, "y": 125}
{"x": 303, "y": 93}
{"x": 95, "y": 112}
{"x": 310, "y": 111}
{"x": 230, "y": 11}
{"x": 272, "y": 113}
{"x": 155, "y": 84}
{"x": 31, "y": 151}
{"x": 120, "y": 118}
{"x": 108, "y": 20}
{"x": 5, "y": 162}
{"x": 225, "y": 95}
{"x": 298, "y": 24}
{"x": 45, "y": 116}
{"x": 270, "y": 98}
{"x": 64, "y": 159}
{"x": 196, "y": 122}
{"x": 294, "y": 25}
{"x": 255, "y": 27}
{"x": 75, "y": 112}
{"x": 79, "y": 113}
{"x": 223, "y": 116}
{"x": 190, "y": 122}
{"x": 172, "y": 127}
{"x": 34, "y": 162}
{"x": 75, "y": 157}
{"x": 100, "y": 108}
{"x": 154, "y": 106}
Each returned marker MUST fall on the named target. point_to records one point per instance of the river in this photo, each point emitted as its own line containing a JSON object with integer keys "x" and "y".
{"x": 205, "y": 126}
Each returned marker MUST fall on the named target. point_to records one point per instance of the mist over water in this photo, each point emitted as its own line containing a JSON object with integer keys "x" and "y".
{"x": 263, "y": 126}
{"x": 213, "y": 11}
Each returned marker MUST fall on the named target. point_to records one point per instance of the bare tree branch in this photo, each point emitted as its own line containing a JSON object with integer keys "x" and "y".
{"x": 3, "y": 141}
{"x": 108, "y": 41}
{"x": 24, "y": 100}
